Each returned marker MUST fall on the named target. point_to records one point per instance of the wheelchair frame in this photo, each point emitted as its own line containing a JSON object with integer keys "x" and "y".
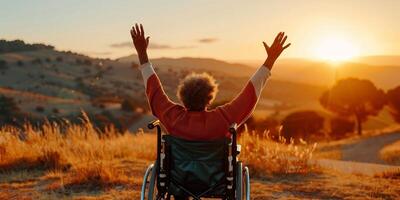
{"x": 155, "y": 181}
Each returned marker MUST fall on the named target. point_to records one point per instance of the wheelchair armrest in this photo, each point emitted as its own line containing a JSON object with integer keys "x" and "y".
{"x": 153, "y": 124}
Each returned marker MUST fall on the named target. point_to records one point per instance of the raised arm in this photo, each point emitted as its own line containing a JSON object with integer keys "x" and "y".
{"x": 240, "y": 108}
{"x": 158, "y": 100}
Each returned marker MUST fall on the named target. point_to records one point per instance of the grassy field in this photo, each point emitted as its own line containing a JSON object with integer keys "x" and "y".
{"x": 391, "y": 153}
{"x": 78, "y": 162}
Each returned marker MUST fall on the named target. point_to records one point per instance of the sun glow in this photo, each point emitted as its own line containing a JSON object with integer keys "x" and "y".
{"x": 336, "y": 49}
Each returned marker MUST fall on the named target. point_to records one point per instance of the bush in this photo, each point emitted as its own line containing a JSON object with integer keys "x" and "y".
{"x": 78, "y": 61}
{"x": 20, "y": 63}
{"x": 269, "y": 124}
{"x": 86, "y": 71}
{"x": 128, "y": 105}
{"x": 87, "y": 62}
{"x": 306, "y": 125}
{"x": 393, "y": 97}
{"x": 39, "y": 109}
{"x": 8, "y": 109}
{"x": 340, "y": 127}
{"x": 59, "y": 59}
{"x": 3, "y": 64}
{"x": 36, "y": 61}
{"x": 56, "y": 110}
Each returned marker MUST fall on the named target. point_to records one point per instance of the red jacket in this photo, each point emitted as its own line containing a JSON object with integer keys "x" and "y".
{"x": 203, "y": 125}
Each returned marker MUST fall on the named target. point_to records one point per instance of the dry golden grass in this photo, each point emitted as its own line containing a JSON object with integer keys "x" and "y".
{"x": 79, "y": 162}
{"x": 392, "y": 174}
{"x": 267, "y": 157}
{"x": 391, "y": 153}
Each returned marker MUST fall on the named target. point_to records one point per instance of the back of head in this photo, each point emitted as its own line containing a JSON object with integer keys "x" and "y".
{"x": 197, "y": 91}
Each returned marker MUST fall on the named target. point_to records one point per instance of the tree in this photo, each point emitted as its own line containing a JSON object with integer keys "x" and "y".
{"x": 340, "y": 127}
{"x": 8, "y": 109}
{"x": 3, "y": 64}
{"x": 128, "y": 105}
{"x": 354, "y": 97}
{"x": 393, "y": 98}
{"x": 302, "y": 125}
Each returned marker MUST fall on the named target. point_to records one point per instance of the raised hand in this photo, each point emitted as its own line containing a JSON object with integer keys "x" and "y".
{"x": 140, "y": 42}
{"x": 275, "y": 50}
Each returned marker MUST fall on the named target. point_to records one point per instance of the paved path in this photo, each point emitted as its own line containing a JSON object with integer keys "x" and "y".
{"x": 362, "y": 156}
{"x": 367, "y": 149}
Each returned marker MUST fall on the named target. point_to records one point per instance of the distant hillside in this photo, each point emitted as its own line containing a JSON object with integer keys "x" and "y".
{"x": 53, "y": 84}
{"x": 323, "y": 74}
{"x": 232, "y": 77}
{"x": 204, "y": 64}
{"x": 393, "y": 60}
{"x": 45, "y": 82}
{"x": 19, "y": 45}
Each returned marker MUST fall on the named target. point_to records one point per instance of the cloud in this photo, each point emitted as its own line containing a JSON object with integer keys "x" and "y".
{"x": 121, "y": 45}
{"x": 207, "y": 40}
{"x": 151, "y": 46}
{"x": 105, "y": 53}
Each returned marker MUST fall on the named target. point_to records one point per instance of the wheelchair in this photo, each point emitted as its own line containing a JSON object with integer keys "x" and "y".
{"x": 196, "y": 169}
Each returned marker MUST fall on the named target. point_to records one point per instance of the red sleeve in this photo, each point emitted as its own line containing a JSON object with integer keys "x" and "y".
{"x": 159, "y": 102}
{"x": 241, "y": 107}
{"x": 160, "y": 105}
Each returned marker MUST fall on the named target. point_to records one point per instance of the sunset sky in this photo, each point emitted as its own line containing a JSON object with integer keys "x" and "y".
{"x": 223, "y": 29}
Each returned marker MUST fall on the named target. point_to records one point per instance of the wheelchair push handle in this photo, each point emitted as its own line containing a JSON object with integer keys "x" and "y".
{"x": 233, "y": 128}
{"x": 153, "y": 124}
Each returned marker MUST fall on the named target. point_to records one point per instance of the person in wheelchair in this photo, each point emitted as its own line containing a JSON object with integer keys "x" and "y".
{"x": 199, "y": 160}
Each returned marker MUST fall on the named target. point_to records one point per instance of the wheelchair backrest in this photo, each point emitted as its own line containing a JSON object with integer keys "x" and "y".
{"x": 181, "y": 149}
{"x": 196, "y": 163}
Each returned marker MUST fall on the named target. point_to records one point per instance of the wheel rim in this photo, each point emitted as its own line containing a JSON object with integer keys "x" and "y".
{"x": 247, "y": 180}
{"x": 152, "y": 191}
{"x": 146, "y": 181}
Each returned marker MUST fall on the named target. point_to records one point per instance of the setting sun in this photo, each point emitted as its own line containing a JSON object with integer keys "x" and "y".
{"x": 335, "y": 49}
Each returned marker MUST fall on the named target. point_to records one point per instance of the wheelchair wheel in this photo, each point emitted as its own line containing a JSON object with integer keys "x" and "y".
{"x": 242, "y": 182}
{"x": 149, "y": 189}
{"x": 247, "y": 182}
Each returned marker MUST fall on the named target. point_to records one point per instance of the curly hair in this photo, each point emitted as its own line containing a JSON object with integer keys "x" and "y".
{"x": 197, "y": 91}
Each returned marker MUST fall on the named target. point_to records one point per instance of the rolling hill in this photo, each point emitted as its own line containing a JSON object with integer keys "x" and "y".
{"x": 46, "y": 82}
{"x": 384, "y": 71}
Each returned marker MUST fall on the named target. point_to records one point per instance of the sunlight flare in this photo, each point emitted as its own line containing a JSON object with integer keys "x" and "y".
{"x": 336, "y": 49}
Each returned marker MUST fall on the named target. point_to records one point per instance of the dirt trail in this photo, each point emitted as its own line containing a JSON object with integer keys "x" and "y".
{"x": 361, "y": 156}
{"x": 367, "y": 149}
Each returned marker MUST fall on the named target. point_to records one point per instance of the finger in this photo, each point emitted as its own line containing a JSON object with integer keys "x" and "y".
{"x": 137, "y": 30}
{"x": 266, "y": 46}
{"x": 147, "y": 40}
{"x": 281, "y": 36}
{"x": 133, "y": 32}
{"x": 141, "y": 29}
{"x": 288, "y": 45}
{"x": 284, "y": 40}
{"x": 277, "y": 37}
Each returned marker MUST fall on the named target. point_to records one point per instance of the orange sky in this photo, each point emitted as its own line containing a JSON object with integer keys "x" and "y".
{"x": 224, "y": 29}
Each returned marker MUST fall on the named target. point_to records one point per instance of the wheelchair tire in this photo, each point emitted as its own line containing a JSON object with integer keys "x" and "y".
{"x": 242, "y": 182}
{"x": 149, "y": 184}
{"x": 247, "y": 182}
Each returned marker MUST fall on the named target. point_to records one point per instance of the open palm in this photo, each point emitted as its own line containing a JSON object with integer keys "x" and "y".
{"x": 140, "y": 42}
{"x": 275, "y": 50}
